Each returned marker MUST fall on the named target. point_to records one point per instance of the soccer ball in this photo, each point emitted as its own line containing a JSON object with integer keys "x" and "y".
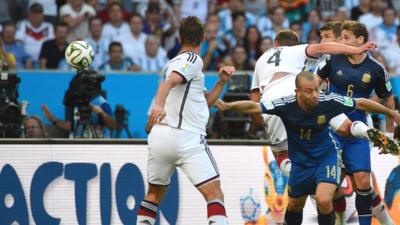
{"x": 250, "y": 207}
{"x": 79, "y": 55}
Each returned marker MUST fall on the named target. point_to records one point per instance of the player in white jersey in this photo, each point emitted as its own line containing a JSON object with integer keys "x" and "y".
{"x": 274, "y": 77}
{"x": 177, "y": 124}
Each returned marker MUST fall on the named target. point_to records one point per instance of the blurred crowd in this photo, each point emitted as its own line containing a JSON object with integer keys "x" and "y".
{"x": 142, "y": 35}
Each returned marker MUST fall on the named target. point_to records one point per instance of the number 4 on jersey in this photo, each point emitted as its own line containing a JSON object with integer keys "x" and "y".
{"x": 275, "y": 58}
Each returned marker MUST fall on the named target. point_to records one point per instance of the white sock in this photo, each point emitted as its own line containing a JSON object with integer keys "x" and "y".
{"x": 218, "y": 220}
{"x": 358, "y": 129}
{"x": 285, "y": 167}
{"x": 382, "y": 214}
{"x": 145, "y": 220}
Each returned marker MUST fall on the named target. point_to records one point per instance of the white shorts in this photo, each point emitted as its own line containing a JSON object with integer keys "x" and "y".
{"x": 337, "y": 121}
{"x": 170, "y": 148}
{"x": 276, "y": 132}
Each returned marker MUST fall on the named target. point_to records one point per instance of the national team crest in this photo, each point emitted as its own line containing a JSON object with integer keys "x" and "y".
{"x": 185, "y": 67}
{"x": 321, "y": 120}
{"x": 366, "y": 78}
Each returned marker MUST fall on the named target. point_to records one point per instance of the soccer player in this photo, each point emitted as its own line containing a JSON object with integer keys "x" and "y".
{"x": 178, "y": 122}
{"x": 331, "y": 31}
{"x": 274, "y": 77}
{"x": 313, "y": 150}
{"x": 358, "y": 75}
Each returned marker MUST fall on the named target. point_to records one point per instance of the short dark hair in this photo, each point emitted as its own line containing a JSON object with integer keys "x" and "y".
{"x": 236, "y": 15}
{"x": 287, "y": 37}
{"x": 36, "y": 8}
{"x": 304, "y": 75}
{"x": 91, "y": 19}
{"x": 135, "y": 14}
{"x": 153, "y": 8}
{"x": 334, "y": 26}
{"x": 61, "y": 24}
{"x": 191, "y": 31}
{"x": 357, "y": 28}
{"x": 115, "y": 44}
{"x": 112, "y": 4}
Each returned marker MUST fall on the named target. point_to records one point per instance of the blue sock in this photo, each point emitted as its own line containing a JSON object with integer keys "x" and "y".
{"x": 363, "y": 206}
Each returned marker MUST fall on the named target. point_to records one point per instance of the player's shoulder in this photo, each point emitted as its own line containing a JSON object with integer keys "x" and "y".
{"x": 190, "y": 58}
{"x": 285, "y": 100}
{"x": 374, "y": 63}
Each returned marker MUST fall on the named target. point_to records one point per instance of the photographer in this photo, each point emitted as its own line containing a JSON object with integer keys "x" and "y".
{"x": 83, "y": 98}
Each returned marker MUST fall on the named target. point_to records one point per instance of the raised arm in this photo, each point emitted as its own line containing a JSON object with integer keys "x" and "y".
{"x": 225, "y": 74}
{"x": 316, "y": 50}
{"x": 371, "y": 106}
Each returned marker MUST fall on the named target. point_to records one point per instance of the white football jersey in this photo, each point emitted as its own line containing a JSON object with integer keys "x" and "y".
{"x": 276, "y": 70}
{"x": 186, "y": 106}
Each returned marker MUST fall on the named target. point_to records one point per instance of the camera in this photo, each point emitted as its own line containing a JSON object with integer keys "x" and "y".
{"x": 84, "y": 86}
{"x": 10, "y": 111}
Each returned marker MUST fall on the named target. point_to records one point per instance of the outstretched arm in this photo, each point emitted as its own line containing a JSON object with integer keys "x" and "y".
{"x": 371, "y": 106}
{"x": 247, "y": 107}
{"x": 316, "y": 50}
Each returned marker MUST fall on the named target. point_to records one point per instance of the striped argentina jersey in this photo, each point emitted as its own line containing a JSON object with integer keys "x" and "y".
{"x": 309, "y": 135}
{"x": 186, "y": 106}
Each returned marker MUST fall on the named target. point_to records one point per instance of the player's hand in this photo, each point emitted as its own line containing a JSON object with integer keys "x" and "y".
{"x": 396, "y": 117}
{"x": 221, "y": 105}
{"x": 369, "y": 46}
{"x": 225, "y": 73}
{"x": 157, "y": 114}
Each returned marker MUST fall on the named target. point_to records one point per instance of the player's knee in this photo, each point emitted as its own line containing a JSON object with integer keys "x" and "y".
{"x": 324, "y": 203}
{"x": 295, "y": 206}
{"x": 362, "y": 180}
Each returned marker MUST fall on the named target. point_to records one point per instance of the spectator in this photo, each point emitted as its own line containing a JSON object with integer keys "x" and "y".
{"x": 50, "y": 11}
{"x": 134, "y": 41}
{"x": 295, "y": 10}
{"x": 374, "y": 17}
{"x": 185, "y": 8}
{"x": 155, "y": 57}
{"x": 342, "y": 14}
{"x": 238, "y": 59}
{"x": 313, "y": 36}
{"x": 214, "y": 19}
{"x": 298, "y": 28}
{"x": 360, "y": 10}
{"x": 235, "y": 36}
{"x": 213, "y": 49}
{"x": 392, "y": 54}
{"x": 33, "y": 32}
{"x": 385, "y": 34}
{"x": 234, "y": 6}
{"x": 34, "y": 127}
{"x": 23, "y": 60}
{"x": 252, "y": 41}
{"x": 117, "y": 60}
{"x": 104, "y": 13}
{"x": 312, "y": 22}
{"x": 53, "y": 51}
{"x": 76, "y": 14}
{"x": 5, "y": 57}
{"x": 277, "y": 23}
{"x": 255, "y": 7}
{"x": 117, "y": 27}
{"x": 264, "y": 23}
{"x": 99, "y": 43}
{"x": 162, "y": 23}
{"x": 266, "y": 43}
